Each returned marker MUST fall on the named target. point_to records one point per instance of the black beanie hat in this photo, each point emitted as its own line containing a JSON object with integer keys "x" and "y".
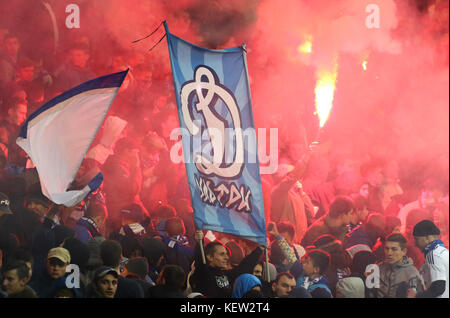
{"x": 425, "y": 228}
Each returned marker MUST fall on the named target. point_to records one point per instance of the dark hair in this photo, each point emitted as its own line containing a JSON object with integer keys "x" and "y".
{"x": 23, "y": 255}
{"x": 174, "y": 226}
{"x": 165, "y": 211}
{"x": 110, "y": 253}
{"x": 129, "y": 244}
{"x": 174, "y": 276}
{"x": 320, "y": 259}
{"x": 399, "y": 238}
{"x": 340, "y": 206}
{"x": 361, "y": 260}
{"x": 286, "y": 227}
{"x": 22, "y": 268}
{"x": 276, "y": 254}
{"x": 360, "y": 202}
{"x": 324, "y": 240}
{"x": 210, "y": 248}
{"x": 283, "y": 274}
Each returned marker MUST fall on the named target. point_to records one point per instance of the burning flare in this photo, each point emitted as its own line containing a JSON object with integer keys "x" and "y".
{"x": 325, "y": 86}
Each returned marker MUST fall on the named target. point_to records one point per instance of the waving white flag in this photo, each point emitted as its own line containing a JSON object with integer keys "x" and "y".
{"x": 58, "y": 135}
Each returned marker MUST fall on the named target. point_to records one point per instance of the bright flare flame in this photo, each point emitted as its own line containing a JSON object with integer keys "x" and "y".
{"x": 364, "y": 65}
{"x": 306, "y": 47}
{"x": 325, "y": 86}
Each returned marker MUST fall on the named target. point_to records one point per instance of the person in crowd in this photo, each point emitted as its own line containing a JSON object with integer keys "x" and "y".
{"x": 350, "y": 287}
{"x": 360, "y": 212}
{"x": 16, "y": 276}
{"x": 435, "y": 269}
{"x": 372, "y": 172}
{"x": 170, "y": 283}
{"x": 214, "y": 279}
{"x": 178, "y": 251}
{"x": 8, "y": 58}
{"x": 392, "y": 226}
{"x": 79, "y": 255}
{"x": 397, "y": 272}
{"x": 334, "y": 223}
{"x": 339, "y": 260}
{"x": 122, "y": 180}
{"x": 105, "y": 283}
{"x": 53, "y": 278}
{"x": 154, "y": 251}
{"x": 244, "y": 284}
{"x": 137, "y": 268}
{"x": 162, "y": 213}
{"x": 283, "y": 284}
{"x": 432, "y": 201}
{"x": 289, "y": 202}
{"x": 111, "y": 253}
{"x": 360, "y": 268}
{"x": 89, "y": 226}
{"x": 368, "y": 233}
{"x": 75, "y": 70}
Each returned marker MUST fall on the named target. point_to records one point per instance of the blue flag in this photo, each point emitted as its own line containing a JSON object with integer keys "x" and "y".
{"x": 218, "y": 137}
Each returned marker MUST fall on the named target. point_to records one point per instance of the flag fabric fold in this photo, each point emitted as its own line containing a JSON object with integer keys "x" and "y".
{"x": 58, "y": 135}
{"x": 218, "y": 138}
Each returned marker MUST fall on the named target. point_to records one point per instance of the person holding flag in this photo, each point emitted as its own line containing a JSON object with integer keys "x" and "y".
{"x": 214, "y": 279}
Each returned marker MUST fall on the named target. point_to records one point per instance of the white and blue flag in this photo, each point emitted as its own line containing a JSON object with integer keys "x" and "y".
{"x": 57, "y": 136}
{"x": 218, "y": 137}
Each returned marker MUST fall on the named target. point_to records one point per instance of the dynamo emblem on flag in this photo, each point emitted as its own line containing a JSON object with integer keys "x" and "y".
{"x": 215, "y": 124}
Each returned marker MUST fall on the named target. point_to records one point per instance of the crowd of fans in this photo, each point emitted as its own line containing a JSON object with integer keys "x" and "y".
{"x": 135, "y": 237}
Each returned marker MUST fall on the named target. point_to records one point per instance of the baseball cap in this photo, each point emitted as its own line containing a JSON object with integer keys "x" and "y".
{"x": 105, "y": 270}
{"x": 60, "y": 253}
{"x": 4, "y": 204}
{"x": 133, "y": 211}
{"x": 425, "y": 228}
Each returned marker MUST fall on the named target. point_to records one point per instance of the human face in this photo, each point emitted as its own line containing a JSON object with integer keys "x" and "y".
{"x": 78, "y": 58}
{"x": 107, "y": 286}
{"x": 421, "y": 241}
{"x": 56, "y": 268}
{"x": 12, "y": 46}
{"x": 308, "y": 266}
{"x": 362, "y": 214}
{"x": 11, "y": 283}
{"x": 26, "y": 73}
{"x": 347, "y": 217}
{"x": 284, "y": 286}
{"x": 393, "y": 252}
{"x": 257, "y": 271}
{"x": 220, "y": 258}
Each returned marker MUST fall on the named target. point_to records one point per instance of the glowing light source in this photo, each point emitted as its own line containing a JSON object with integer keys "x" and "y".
{"x": 324, "y": 91}
{"x": 306, "y": 47}
{"x": 364, "y": 65}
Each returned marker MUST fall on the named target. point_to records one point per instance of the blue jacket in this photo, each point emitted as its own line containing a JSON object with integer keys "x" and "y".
{"x": 311, "y": 285}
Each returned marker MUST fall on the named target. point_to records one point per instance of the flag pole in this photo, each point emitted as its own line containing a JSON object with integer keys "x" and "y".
{"x": 202, "y": 250}
{"x": 267, "y": 263}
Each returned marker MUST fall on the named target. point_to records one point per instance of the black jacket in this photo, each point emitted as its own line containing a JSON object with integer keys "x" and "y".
{"x": 217, "y": 283}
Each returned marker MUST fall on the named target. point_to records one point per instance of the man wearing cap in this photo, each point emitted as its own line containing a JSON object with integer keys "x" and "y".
{"x": 435, "y": 270}
{"x": 105, "y": 283}
{"x": 53, "y": 279}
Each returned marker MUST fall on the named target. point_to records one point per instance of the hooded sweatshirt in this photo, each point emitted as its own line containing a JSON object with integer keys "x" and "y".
{"x": 395, "y": 279}
{"x": 243, "y": 284}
